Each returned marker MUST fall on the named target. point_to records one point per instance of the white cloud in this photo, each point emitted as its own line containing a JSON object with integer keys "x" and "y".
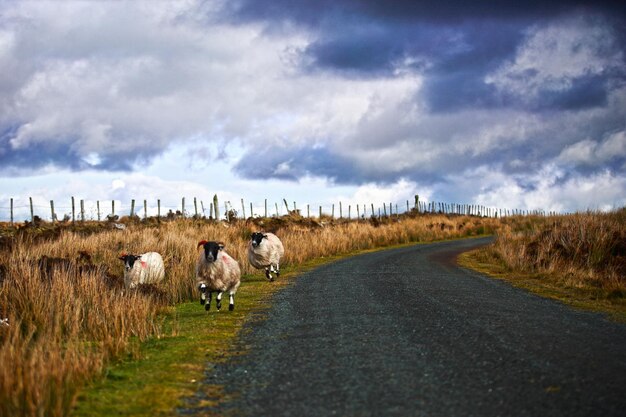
{"x": 589, "y": 152}
{"x": 551, "y": 189}
{"x": 555, "y": 54}
{"x": 396, "y": 194}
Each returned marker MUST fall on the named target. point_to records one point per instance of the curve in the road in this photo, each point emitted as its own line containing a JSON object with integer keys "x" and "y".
{"x": 405, "y": 332}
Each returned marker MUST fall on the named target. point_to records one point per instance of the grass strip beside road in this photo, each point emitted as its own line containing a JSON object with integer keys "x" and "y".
{"x": 173, "y": 366}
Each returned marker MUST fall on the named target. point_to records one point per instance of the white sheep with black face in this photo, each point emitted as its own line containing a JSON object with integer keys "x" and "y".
{"x": 147, "y": 268}
{"x": 264, "y": 252}
{"x": 216, "y": 271}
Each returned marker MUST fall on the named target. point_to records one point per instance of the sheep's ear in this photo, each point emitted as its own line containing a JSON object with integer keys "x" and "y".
{"x": 201, "y": 243}
{"x": 264, "y": 235}
{"x": 122, "y": 257}
{"x": 220, "y": 245}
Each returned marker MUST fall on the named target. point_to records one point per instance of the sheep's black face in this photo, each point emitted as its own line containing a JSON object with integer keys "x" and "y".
{"x": 129, "y": 261}
{"x": 257, "y": 237}
{"x": 211, "y": 250}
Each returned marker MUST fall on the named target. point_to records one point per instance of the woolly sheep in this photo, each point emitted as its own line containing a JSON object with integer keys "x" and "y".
{"x": 217, "y": 272}
{"x": 265, "y": 251}
{"x": 147, "y": 268}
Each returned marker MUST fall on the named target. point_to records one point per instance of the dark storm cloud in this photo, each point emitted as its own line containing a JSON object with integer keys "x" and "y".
{"x": 313, "y": 12}
{"x": 61, "y": 153}
{"x": 294, "y": 163}
{"x": 587, "y": 91}
{"x": 28, "y": 160}
{"x": 454, "y": 44}
{"x": 456, "y": 47}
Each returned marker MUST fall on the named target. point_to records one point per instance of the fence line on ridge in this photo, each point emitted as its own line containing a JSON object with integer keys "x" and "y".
{"x": 94, "y": 211}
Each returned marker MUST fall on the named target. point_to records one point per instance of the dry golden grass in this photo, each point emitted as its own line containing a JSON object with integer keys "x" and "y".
{"x": 65, "y": 328}
{"x": 579, "y": 250}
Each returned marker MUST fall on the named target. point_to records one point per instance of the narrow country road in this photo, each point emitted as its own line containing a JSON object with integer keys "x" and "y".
{"x": 406, "y": 332}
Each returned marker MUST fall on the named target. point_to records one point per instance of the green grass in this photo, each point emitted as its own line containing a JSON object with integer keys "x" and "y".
{"x": 613, "y": 304}
{"x": 171, "y": 367}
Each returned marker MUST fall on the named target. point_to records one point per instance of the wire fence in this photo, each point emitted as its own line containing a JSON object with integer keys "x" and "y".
{"x": 17, "y": 210}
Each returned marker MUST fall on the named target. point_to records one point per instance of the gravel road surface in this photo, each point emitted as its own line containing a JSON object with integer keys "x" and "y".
{"x": 406, "y": 332}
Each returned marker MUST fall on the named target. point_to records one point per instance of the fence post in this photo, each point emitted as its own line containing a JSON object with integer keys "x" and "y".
{"x": 32, "y": 213}
{"x": 251, "y": 212}
{"x": 276, "y": 204}
{"x": 73, "y": 211}
{"x": 112, "y": 208}
{"x": 417, "y": 202}
{"x": 243, "y": 210}
{"x": 202, "y": 207}
{"x": 52, "y": 216}
{"x": 211, "y": 211}
{"x": 384, "y": 210}
{"x": 340, "y": 210}
{"x": 98, "y": 208}
{"x": 266, "y": 207}
{"x": 349, "y": 212}
{"x": 132, "y": 208}
{"x": 294, "y": 207}
{"x": 183, "y": 207}
{"x": 195, "y": 206}
{"x": 332, "y": 213}
{"x": 145, "y": 209}
{"x": 11, "y": 212}
{"x": 82, "y": 210}
{"x": 158, "y": 210}
{"x": 372, "y": 209}
{"x": 320, "y": 213}
{"x": 358, "y": 214}
{"x": 215, "y": 207}
{"x": 286, "y": 205}
{"x": 308, "y": 214}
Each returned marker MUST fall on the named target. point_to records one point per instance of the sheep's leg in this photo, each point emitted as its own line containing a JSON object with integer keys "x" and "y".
{"x": 218, "y": 300}
{"x": 207, "y": 306}
{"x": 277, "y": 269}
{"x": 274, "y": 270}
{"x": 202, "y": 289}
{"x": 231, "y": 302}
{"x": 268, "y": 275}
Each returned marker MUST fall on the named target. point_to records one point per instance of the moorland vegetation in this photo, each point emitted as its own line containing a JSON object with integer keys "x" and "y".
{"x": 70, "y": 318}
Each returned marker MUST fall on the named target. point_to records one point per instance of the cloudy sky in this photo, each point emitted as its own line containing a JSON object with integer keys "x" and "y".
{"x": 315, "y": 101}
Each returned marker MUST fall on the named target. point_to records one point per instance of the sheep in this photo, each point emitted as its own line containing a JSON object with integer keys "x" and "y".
{"x": 217, "y": 272}
{"x": 149, "y": 269}
{"x": 265, "y": 251}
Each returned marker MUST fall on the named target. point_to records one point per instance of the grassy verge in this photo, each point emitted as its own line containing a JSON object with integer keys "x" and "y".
{"x": 172, "y": 367}
{"x": 551, "y": 286}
